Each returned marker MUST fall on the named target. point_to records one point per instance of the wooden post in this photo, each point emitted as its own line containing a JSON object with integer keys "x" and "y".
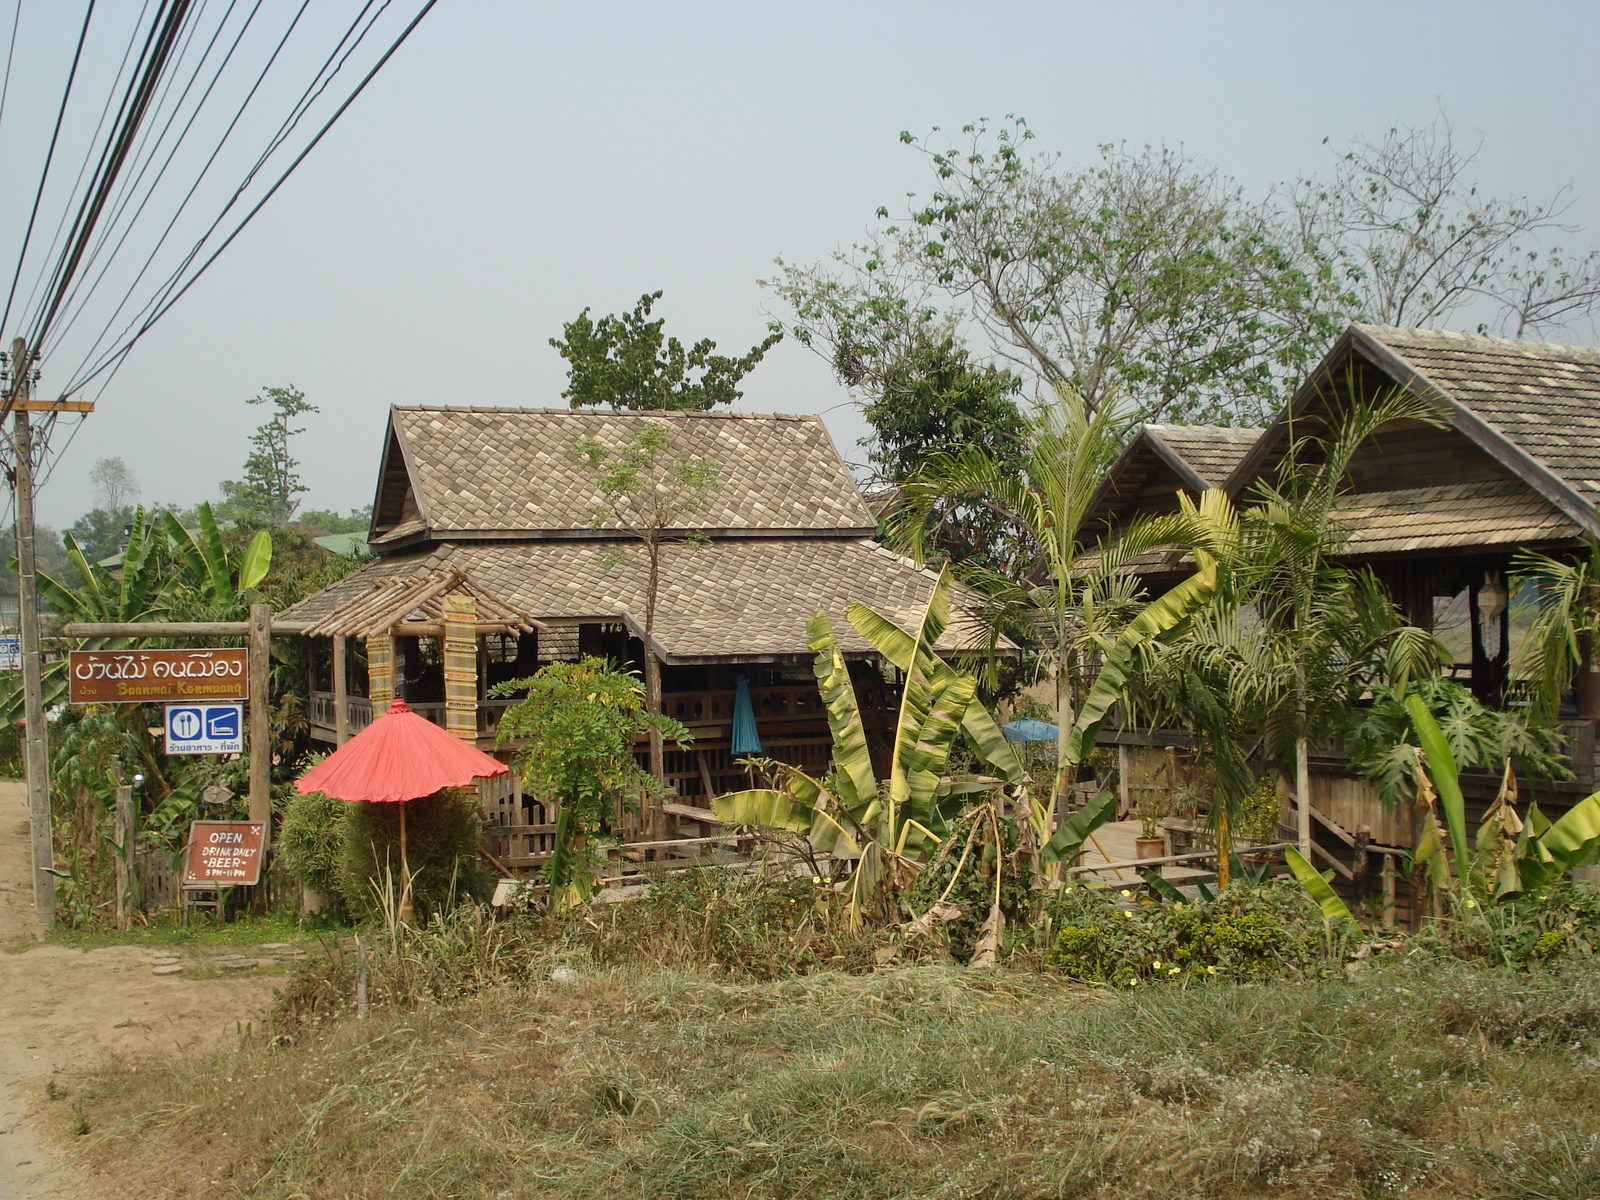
{"x": 361, "y": 976}
{"x": 1388, "y": 891}
{"x": 36, "y": 753}
{"x": 1358, "y": 863}
{"x": 260, "y": 671}
{"x": 341, "y": 691}
{"x": 1124, "y": 783}
{"x": 380, "y": 672}
{"x": 461, "y": 666}
{"x": 127, "y": 830}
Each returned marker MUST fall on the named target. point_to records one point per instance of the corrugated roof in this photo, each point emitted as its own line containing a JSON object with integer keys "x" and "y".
{"x": 513, "y": 471}
{"x": 743, "y": 598}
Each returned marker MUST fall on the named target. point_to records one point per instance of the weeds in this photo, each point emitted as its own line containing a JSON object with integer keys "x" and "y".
{"x": 1440, "y": 1080}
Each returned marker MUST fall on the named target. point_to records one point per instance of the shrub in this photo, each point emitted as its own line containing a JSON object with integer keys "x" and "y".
{"x": 442, "y": 835}
{"x": 973, "y": 893}
{"x": 1270, "y": 931}
{"x": 312, "y": 841}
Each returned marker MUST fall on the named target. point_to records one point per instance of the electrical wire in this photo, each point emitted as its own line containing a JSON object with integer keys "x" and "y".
{"x": 11, "y": 50}
{"x": 86, "y": 285}
{"x": 194, "y": 187}
{"x": 90, "y": 146}
{"x": 5, "y": 317}
{"x": 313, "y": 89}
{"x": 135, "y": 107}
{"x": 115, "y": 358}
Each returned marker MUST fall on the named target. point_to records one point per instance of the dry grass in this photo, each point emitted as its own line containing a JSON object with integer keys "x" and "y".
{"x": 1437, "y": 1080}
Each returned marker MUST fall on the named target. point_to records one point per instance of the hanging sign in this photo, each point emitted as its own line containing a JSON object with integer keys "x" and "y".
{"x": 156, "y": 676}
{"x": 224, "y": 854}
{"x": 205, "y": 729}
{"x": 10, "y": 652}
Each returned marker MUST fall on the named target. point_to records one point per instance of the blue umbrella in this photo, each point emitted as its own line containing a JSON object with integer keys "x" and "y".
{"x": 746, "y": 740}
{"x": 1027, "y": 729}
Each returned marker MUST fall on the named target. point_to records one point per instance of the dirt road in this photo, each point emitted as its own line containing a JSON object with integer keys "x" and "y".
{"x": 67, "y": 1009}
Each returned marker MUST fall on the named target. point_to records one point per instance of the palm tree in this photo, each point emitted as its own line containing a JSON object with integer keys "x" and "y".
{"x": 1304, "y": 600}
{"x": 1071, "y": 597}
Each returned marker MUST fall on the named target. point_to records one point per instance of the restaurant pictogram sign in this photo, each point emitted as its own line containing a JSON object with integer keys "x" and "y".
{"x": 156, "y": 676}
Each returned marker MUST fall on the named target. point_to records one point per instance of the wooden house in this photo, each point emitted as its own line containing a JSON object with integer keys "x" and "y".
{"x": 1436, "y": 512}
{"x": 489, "y": 538}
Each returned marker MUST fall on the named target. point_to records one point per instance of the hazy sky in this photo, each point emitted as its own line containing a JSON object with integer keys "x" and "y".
{"x": 516, "y": 162}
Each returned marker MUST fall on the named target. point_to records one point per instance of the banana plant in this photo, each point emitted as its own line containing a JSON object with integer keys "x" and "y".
{"x": 220, "y": 580}
{"x": 882, "y": 826}
{"x": 1511, "y": 855}
{"x": 139, "y": 593}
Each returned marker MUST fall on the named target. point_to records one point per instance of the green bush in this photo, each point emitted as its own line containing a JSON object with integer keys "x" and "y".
{"x": 312, "y": 841}
{"x": 974, "y": 892}
{"x": 1267, "y": 932}
{"x": 442, "y": 835}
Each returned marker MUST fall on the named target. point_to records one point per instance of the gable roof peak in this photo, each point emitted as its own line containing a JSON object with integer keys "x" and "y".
{"x": 1400, "y": 336}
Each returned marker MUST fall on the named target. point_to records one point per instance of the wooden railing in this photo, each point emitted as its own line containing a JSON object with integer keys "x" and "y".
{"x": 358, "y": 710}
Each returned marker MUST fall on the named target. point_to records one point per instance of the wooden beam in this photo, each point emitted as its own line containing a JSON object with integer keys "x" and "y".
{"x": 134, "y": 629}
{"x": 48, "y": 406}
{"x": 341, "y": 692}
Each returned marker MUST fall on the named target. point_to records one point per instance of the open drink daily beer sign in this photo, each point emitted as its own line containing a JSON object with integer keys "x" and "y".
{"x": 224, "y": 854}
{"x": 156, "y": 676}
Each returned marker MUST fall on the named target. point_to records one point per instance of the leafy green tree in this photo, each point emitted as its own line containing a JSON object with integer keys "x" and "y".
{"x": 580, "y": 721}
{"x": 325, "y": 520}
{"x": 650, "y": 491}
{"x": 269, "y": 493}
{"x": 625, "y": 361}
{"x": 100, "y": 532}
{"x": 1148, "y": 276}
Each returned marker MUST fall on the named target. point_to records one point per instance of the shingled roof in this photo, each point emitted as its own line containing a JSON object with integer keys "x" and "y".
{"x": 512, "y": 473}
{"x": 1534, "y": 407}
{"x": 1159, "y": 460}
{"x": 743, "y": 599}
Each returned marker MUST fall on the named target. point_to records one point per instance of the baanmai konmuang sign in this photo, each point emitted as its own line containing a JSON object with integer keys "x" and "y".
{"x": 156, "y": 676}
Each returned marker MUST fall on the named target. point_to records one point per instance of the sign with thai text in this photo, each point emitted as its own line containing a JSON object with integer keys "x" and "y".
{"x": 10, "y": 652}
{"x": 224, "y": 854}
{"x": 205, "y": 729}
{"x": 156, "y": 676}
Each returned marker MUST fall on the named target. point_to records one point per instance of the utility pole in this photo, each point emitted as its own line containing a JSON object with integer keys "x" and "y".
{"x": 35, "y": 750}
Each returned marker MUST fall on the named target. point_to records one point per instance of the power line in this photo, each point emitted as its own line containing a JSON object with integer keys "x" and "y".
{"x": 5, "y": 318}
{"x": 5, "y": 88}
{"x": 301, "y": 106}
{"x": 122, "y": 351}
{"x": 83, "y": 167}
{"x": 134, "y": 109}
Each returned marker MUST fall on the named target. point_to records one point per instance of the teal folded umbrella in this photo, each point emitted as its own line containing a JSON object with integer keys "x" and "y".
{"x": 746, "y": 740}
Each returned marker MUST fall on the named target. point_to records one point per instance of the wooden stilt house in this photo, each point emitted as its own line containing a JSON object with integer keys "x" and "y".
{"x": 1437, "y": 513}
{"x": 493, "y": 559}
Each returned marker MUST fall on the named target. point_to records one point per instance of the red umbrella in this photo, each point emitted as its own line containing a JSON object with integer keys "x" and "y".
{"x": 399, "y": 757}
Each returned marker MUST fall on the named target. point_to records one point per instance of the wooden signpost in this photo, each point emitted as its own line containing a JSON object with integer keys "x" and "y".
{"x": 157, "y": 676}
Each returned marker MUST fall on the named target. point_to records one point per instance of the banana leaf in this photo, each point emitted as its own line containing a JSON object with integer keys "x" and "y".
{"x": 1573, "y": 837}
{"x": 1334, "y": 910}
{"x": 858, "y": 786}
{"x": 899, "y": 647}
{"x": 1446, "y": 778}
{"x": 1075, "y": 831}
{"x": 765, "y": 807}
{"x": 256, "y": 560}
{"x": 1161, "y": 887}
